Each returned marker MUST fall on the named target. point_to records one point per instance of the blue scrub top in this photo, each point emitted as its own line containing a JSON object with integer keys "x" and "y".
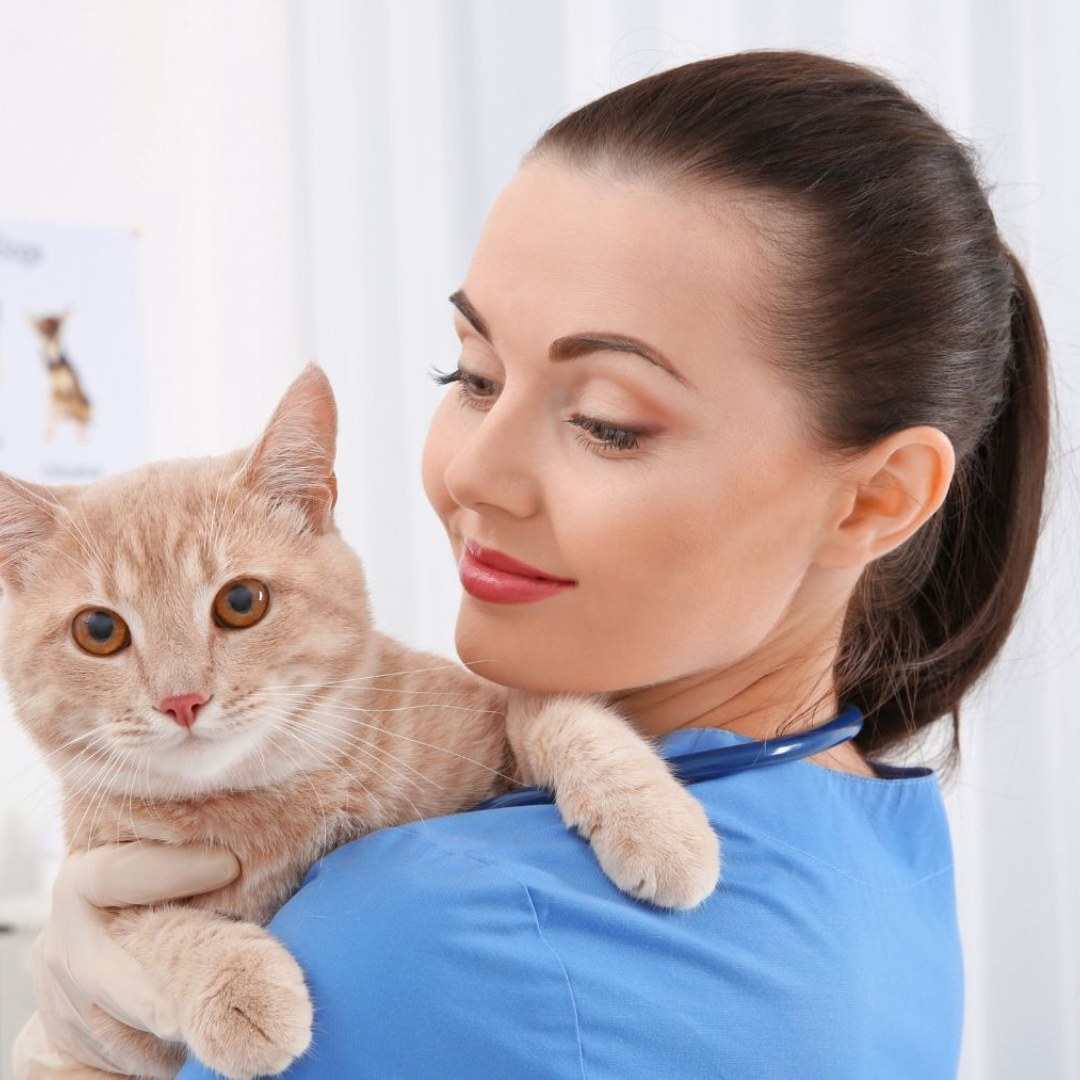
{"x": 489, "y": 944}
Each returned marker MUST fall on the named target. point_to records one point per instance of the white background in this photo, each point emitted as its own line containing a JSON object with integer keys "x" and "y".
{"x": 309, "y": 179}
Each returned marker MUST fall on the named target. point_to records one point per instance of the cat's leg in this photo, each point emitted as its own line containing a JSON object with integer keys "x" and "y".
{"x": 650, "y": 835}
{"x": 240, "y": 997}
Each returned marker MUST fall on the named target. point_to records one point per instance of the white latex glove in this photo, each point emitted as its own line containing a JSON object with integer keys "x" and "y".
{"x": 77, "y": 964}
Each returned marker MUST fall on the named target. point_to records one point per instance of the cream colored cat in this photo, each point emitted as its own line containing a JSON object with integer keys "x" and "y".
{"x": 191, "y": 643}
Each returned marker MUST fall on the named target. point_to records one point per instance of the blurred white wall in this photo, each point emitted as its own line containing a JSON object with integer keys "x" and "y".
{"x": 309, "y": 178}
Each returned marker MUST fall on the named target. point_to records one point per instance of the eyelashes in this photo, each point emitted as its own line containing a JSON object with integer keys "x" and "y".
{"x": 596, "y": 434}
{"x": 473, "y": 387}
{"x": 607, "y": 434}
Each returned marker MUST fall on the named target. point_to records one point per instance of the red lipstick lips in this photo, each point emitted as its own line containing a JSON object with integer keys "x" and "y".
{"x": 490, "y": 575}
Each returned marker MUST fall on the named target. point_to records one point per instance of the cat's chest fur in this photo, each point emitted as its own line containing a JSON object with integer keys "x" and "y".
{"x": 275, "y": 833}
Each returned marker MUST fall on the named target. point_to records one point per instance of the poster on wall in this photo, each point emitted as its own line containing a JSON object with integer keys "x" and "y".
{"x": 71, "y": 370}
{"x": 71, "y": 410}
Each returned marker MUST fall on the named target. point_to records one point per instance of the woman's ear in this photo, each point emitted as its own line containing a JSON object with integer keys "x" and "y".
{"x": 884, "y": 499}
{"x": 293, "y": 461}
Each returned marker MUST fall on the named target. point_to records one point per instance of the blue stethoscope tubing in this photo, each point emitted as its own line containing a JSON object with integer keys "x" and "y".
{"x": 724, "y": 760}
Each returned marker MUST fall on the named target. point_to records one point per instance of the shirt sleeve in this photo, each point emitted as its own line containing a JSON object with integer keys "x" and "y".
{"x": 424, "y": 962}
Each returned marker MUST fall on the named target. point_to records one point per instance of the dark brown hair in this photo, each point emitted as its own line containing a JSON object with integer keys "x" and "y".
{"x": 899, "y": 305}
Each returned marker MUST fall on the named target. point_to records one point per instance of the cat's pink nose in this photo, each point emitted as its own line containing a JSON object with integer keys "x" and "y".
{"x": 183, "y": 707}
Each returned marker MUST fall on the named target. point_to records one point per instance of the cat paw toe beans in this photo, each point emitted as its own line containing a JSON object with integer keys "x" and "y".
{"x": 669, "y": 858}
{"x": 252, "y": 1016}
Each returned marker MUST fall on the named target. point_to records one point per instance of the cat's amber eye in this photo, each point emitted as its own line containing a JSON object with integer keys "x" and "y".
{"x": 241, "y": 603}
{"x": 100, "y": 632}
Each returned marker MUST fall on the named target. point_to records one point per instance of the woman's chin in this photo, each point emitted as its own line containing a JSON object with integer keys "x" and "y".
{"x": 524, "y": 664}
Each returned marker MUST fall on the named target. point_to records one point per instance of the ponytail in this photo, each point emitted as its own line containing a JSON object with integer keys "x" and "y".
{"x": 915, "y": 642}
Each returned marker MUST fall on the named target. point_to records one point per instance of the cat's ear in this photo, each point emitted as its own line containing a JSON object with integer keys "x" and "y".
{"x": 28, "y": 516}
{"x": 293, "y": 462}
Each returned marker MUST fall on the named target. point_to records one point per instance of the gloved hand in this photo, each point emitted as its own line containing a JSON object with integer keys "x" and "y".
{"x": 76, "y": 963}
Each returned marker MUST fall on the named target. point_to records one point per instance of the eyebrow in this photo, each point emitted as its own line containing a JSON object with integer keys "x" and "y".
{"x": 575, "y": 345}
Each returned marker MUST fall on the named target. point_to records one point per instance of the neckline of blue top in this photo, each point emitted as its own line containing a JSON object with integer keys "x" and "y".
{"x": 742, "y": 756}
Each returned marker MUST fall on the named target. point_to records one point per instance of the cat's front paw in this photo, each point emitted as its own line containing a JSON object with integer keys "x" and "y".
{"x": 654, "y": 843}
{"x": 252, "y": 1015}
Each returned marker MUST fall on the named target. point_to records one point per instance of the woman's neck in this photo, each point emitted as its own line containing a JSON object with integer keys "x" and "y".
{"x": 780, "y": 701}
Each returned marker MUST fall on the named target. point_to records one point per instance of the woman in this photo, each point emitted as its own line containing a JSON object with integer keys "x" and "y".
{"x": 744, "y": 358}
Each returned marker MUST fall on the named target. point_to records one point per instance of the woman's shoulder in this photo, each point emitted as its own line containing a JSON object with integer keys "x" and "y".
{"x": 500, "y": 930}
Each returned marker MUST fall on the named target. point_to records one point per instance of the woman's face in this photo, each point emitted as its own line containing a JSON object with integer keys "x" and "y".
{"x": 676, "y": 493}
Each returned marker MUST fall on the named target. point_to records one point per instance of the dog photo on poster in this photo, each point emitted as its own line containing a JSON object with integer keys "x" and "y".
{"x": 71, "y": 373}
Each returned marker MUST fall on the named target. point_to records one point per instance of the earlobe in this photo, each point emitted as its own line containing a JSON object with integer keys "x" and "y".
{"x": 899, "y": 485}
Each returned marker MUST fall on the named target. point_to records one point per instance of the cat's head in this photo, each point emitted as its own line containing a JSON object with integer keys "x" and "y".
{"x": 172, "y": 628}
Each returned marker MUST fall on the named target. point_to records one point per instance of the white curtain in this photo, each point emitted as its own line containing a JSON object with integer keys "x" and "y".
{"x": 415, "y": 115}
{"x": 310, "y": 176}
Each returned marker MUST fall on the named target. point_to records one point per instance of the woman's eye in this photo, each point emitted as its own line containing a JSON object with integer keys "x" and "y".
{"x": 100, "y": 632}
{"x": 597, "y": 435}
{"x": 474, "y": 388}
{"x": 602, "y": 436}
{"x": 241, "y": 603}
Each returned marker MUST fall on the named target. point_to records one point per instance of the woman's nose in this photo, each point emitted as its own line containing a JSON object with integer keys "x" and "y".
{"x": 497, "y": 464}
